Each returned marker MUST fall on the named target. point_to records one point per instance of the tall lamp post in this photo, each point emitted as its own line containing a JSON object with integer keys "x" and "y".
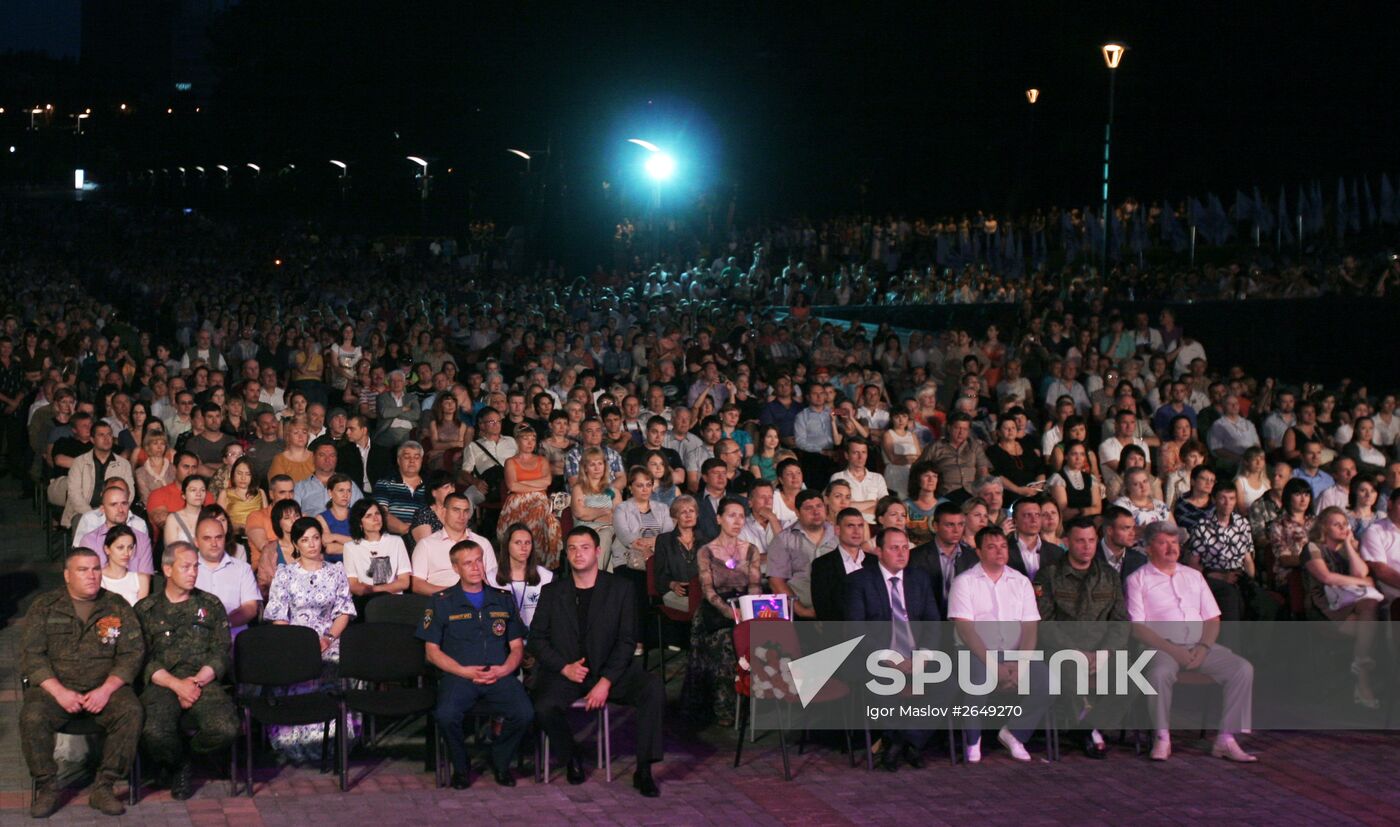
{"x": 344, "y": 176}
{"x": 422, "y": 174}
{"x": 1112, "y": 56}
{"x": 659, "y": 166}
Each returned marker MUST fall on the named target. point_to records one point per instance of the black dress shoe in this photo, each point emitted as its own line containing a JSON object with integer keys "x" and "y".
{"x": 461, "y": 780}
{"x": 505, "y": 778}
{"x": 911, "y": 754}
{"x": 574, "y": 771}
{"x": 1096, "y": 751}
{"x": 889, "y": 760}
{"x": 645, "y": 784}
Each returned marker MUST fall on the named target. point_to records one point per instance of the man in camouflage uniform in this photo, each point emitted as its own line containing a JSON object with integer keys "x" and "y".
{"x": 1085, "y": 594}
{"x": 82, "y": 650}
{"x": 187, "y": 648}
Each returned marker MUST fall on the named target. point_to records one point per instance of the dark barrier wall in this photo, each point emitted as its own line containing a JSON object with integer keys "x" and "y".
{"x": 1294, "y": 340}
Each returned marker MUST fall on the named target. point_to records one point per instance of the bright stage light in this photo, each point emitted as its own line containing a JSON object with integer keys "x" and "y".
{"x": 660, "y": 166}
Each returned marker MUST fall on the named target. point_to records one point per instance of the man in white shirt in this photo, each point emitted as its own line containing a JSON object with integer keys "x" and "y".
{"x": 432, "y": 557}
{"x": 1339, "y": 495}
{"x": 1173, "y": 611}
{"x": 1380, "y": 548}
{"x": 867, "y": 487}
{"x": 1124, "y": 434}
{"x": 993, "y": 607}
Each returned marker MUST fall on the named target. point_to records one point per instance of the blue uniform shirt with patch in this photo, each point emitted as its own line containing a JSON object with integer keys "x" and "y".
{"x": 469, "y": 635}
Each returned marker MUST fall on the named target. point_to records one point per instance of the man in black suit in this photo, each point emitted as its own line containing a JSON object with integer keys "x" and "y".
{"x": 1119, "y": 535}
{"x": 894, "y": 592}
{"x": 714, "y": 487}
{"x": 583, "y": 637}
{"x": 360, "y": 459}
{"x": 830, "y": 570}
{"x": 946, "y": 555}
{"x": 1030, "y": 554}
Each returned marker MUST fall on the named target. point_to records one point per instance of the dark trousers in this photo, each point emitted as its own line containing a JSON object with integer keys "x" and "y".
{"x": 212, "y": 717}
{"x": 636, "y": 688}
{"x": 41, "y": 717}
{"x": 457, "y": 697}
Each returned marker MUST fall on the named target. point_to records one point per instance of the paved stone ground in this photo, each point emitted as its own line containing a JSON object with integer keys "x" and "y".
{"x": 1313, "y": 779}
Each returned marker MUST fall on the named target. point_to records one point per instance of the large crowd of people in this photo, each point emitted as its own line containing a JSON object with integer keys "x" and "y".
{"x": 298, "y": 424}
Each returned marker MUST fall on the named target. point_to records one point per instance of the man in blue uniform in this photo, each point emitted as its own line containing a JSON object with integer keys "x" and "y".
{"x": 474, "y": 635}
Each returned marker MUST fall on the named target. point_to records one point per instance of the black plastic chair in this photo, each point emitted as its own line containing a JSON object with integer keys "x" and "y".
{"x": 273, "y": 657}
{"x": 404, "y": 608}
{"x": 380, "y": 654}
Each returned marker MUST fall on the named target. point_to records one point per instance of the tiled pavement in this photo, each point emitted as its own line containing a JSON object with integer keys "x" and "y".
{"x": 1314, "y": 779}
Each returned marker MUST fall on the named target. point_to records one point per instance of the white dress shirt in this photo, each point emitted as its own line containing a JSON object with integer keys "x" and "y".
{"x": 997, "y": 607}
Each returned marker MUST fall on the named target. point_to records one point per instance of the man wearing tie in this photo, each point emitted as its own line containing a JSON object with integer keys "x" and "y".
{"x": 583, "y": 636}
{"x": 892, "y": 592}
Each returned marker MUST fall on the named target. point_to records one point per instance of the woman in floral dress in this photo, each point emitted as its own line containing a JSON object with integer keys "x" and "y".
{"x": 314, "y": 593}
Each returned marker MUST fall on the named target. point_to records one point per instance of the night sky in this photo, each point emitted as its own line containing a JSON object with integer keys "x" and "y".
{"x": 817, "y": 107}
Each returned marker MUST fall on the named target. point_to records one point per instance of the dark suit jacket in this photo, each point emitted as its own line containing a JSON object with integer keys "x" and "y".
{"x": 381, "y": 463}
{"x": 925, "y": 557}
{"x": 868, "y": 598}
{"x": 1049, "y": 555}
{"x": 1132, "y": 560}
{"x": 607, "y": 645}
{"x": 829, "y": 584}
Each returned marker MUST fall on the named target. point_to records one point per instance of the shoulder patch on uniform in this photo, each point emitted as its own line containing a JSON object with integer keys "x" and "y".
{"x": 427, "y": 618}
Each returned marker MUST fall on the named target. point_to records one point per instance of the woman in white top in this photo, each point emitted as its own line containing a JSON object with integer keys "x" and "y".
{"x": 375, "y": 561}
{"x": 789, "y": 486}
{"x": 1252, "y": 481}
{"x": 180, "y": 524}
{"x": 901, "y": 448}
{"x": 519, "y": 572}
{"x": 119, "y": 545}
{"x": 344, "y": 355}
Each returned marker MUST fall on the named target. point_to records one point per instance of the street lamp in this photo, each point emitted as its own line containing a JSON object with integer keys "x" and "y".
{"x": 422, "y": 173}
{"x": 224, "y": 169}
{"x": 82, "y": 117}
{"x": 659, "y": 166}
{"x": 523, "y": 154}
{"x": 344, "y": 172}
{"x": 257, "y": 170}
{"x": 1112, "y": 57}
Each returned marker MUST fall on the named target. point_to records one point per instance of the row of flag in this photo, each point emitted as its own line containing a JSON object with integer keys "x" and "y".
{"x": 1281, "y": 221}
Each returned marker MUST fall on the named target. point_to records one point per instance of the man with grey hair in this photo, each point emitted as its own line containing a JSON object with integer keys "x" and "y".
{"x": 187, "y": 639}
{"x": 397, "y": 412}
{"x": 991, "y": 490}
{"x": 405, "y": 491}
{"x": 1174, "y": 612}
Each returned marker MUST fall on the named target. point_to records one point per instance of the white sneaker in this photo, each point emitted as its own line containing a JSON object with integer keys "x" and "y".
{"x": 1012, "y": 745}
{"x": 973, "y": 753}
